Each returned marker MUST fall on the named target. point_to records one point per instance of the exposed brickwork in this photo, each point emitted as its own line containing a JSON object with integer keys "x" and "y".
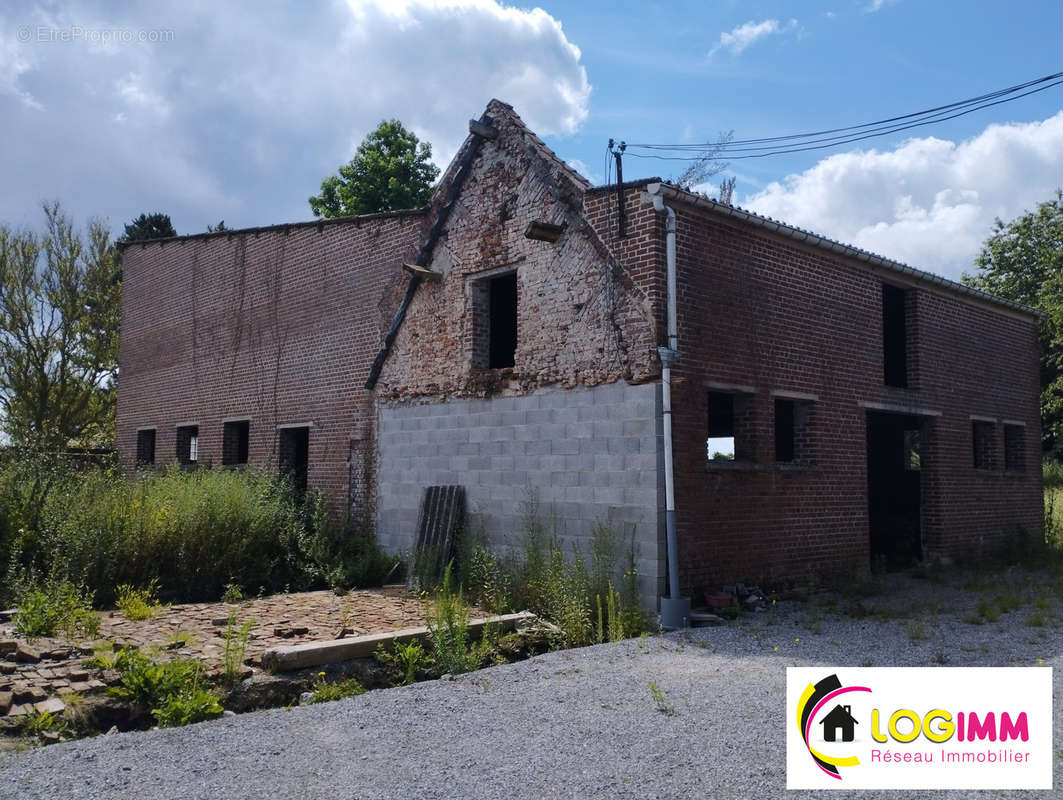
{"x": 281, "y": 325}
{"x": 581, "y": 318}
{"x": 762, "y": 311}
{"x": 276, "y": 326}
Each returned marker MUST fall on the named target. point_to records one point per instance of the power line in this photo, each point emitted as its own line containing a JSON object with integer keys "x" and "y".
{"x": 820, "y": 140}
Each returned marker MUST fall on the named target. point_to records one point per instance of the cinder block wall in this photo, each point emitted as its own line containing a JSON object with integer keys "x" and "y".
{"x": 587, "y": 454}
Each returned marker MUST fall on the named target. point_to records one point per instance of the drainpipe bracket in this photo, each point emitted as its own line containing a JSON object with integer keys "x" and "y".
{"x": 668, "y": 356}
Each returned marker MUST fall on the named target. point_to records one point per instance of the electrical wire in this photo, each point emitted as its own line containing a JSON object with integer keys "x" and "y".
{"x": 820, "y": 140}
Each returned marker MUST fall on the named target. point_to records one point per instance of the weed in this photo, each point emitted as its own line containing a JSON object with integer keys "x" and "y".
{"x": 1036, "y": 620}
{"x": 179, "y": 639}
{"x": 325, "y": 692}
{"x": 940, "y": 657}
{"x": 448, "y": 621}
{"x": 137, "y": 604}
{"x": 191, "y": 704}
{"x": 915, "y": 631}
{"x": 236, "y": 639}
{"x": 1008, "y": 600}
{"x": 660, "y": 701}
{"x": 410, "y": 660}
{"x": 47, "y": 608}
{"x": 37, "y": 722}
{"x": 232, "y": 593}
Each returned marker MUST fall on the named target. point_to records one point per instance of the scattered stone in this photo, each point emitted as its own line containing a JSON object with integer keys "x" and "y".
{"x": 262, "y": 690}
{"x": 111, "y": 677}
{"x": 20, "y": 710}
{"x": 7, "y": 668}
{"x": 81, "y": 687}
{"x": 8, "y": 614}
{"x": 49, "y": 737}
{"x": 219, "y": 621}
{"x": 52, "y": 705}
{"x": 6, "y": 699}
{"x": 7, "y": 646}
{"x": 78, "y": 675}
{"x": 291, "y": 632}
{"x": 112, "y": 730}
{"x": 25, "y": 693}
{"x": 305, "y": 698}
{"x": 60, "y": 654}
{"x": 26, "y": 654}
{"x": 228, "y": 713}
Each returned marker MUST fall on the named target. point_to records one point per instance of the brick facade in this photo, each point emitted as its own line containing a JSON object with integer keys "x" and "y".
{"x": 279, "y": 326}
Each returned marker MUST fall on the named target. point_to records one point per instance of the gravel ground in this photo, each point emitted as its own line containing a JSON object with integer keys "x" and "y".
{"x": 580, "y": 723}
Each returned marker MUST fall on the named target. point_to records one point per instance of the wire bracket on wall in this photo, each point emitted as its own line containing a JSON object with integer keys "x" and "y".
{"x": 617, "y": 149}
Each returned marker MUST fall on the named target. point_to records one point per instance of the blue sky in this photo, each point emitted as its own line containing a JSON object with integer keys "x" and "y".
{"x": 236, "y": 112}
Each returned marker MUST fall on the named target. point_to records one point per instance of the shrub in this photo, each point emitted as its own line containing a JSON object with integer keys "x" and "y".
{"x": 189, "y": 705}
{"x": 53, "y": 606}
{"x": 236, "y": 639}
{"x": 138, "y": 604}
{"x": 325, "y": 692}
{"x": 448, "y": 629}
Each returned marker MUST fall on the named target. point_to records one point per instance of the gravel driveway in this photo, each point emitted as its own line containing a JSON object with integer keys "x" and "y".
{"x": 580, "y": 723}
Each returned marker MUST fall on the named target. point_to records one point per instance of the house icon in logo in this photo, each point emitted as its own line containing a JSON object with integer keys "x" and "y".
{"x": 839, "y": 717}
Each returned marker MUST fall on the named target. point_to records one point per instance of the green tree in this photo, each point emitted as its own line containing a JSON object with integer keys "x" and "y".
{"x": 148, "y": 226}
{"x": 59, "y": 316}
{"x": 1023, "y": 261}
{"x": 390, "y": 170}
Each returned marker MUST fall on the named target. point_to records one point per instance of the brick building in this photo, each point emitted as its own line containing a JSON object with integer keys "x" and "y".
{"x": 830, "y": 408}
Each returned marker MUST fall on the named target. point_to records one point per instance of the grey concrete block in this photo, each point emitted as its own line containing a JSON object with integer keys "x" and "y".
{"x": 567, "y": 414}
{"x": 538, "y": 447}
{"x": 539, "y": 416}
{"x": 491, "y": 448}
{"x": 638, "y": 427}
{"x": 564, "y": 446}
{"x": 594, "y": 446}
{"x": 578, "y": 430}
{"x": 513, "y": 417}
{"x": 608, "y": 429}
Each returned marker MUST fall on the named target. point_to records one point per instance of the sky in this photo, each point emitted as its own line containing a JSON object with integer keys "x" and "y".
{"x": 236, "y": 111}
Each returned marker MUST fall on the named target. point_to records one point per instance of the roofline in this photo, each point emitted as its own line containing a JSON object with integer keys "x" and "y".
{"x": 283, "y": 226}
{"x": 635, "y": 184}
{"x": 822, "y": 242}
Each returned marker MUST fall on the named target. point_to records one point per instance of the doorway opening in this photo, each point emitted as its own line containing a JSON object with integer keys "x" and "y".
{"x": 894, "y": 489}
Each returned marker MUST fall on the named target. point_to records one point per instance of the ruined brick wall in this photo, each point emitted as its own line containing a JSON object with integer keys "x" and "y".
{"x": 582, "y": 320}
{"x": 279, "y": 325}
{"x": 764, "y": 314}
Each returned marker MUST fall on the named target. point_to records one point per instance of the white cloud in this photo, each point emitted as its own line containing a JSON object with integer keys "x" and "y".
{"x": 928, "y": 202}
{"x": 877, "y": 5}
{"x": 244, "y": 108}
{"x": 742, "y": 36}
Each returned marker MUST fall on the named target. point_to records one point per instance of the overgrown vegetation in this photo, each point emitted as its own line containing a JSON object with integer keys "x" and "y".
{"x": 580, "y": 596}
{"x": 137, "y": 604}
{"x": 236, "y": 639}
{"x": 54, "y": 606}
{"x": 190, "y": 534}
{"x": 325, "y": 692}
{"x": 170, "y": 690}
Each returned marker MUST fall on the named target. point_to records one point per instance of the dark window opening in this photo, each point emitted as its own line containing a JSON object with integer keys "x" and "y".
{"x": 894, "y": 336}
{"x": 983, "y": 436}
{"x": 146, "y": 446}
{"x": 234, "y": 443}
{"x": 1014, "y": 448}
{"x": 187, "y": 445}
{"x": 894, "y": 491}
{"x": 293, "y": 457}
{"x": 502, "y": 332}
{"x": 793, "y": 438}
{"x": 785, "y": 431}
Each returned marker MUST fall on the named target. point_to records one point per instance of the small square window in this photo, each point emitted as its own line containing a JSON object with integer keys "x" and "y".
{"x": 187, "y": 444}
{"x": 235, "y": 437}
{"x": 983, "y": 435}
{"x": 1014, "y": 448}
{"x": 146, "y": 446}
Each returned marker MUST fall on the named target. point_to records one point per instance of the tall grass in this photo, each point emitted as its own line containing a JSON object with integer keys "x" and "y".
{"x": 193, "y": 532}
{"x": 577, "y": 595}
